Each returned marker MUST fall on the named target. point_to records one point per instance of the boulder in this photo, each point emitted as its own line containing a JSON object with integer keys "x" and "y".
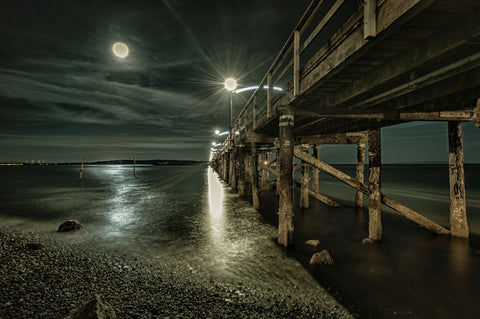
{"x": 313, "y": 242}
{"x": 69, "y": 225}
{"x": 94, "y": 309}
{"x": 322, "y": 258}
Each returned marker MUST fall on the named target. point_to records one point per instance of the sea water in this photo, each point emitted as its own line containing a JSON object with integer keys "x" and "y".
{"x": 187, "y": 215}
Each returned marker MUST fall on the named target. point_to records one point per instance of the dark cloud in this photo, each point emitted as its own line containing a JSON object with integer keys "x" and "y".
{"x": 63, "y": 93}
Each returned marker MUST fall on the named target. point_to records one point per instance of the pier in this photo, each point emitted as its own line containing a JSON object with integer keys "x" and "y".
{"x": 389, "y": 62}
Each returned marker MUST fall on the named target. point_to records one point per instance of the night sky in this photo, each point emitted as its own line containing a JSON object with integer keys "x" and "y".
{"x": 64, "y": 94}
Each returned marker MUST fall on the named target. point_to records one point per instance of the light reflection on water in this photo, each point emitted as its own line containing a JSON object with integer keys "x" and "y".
{"x": 186, "y": 215}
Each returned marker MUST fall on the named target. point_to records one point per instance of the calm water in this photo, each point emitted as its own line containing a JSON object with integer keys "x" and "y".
{"x": 185, "y": 214}
{"x": 182, "y": 214}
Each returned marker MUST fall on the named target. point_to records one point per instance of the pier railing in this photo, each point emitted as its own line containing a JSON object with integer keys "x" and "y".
{"x": 288, "y": 60}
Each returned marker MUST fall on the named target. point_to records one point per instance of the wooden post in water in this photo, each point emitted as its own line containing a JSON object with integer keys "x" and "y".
{"x": 458, "y": 209}
{"x": 81, "y": 171}
{"x": 254, "y": 165}
{"x": 224, "y": 159}
{"x": 277, "y": 168}
{"x": 360, "y": 173}
{"x": 241, "y": 172}
{"x": 305, "y": 177}
{"x": 315, "y": 173}
{"x": 134, "y": 174}
{"x": 247, "y": 179}
{"x": 285, "y": 189}
{"x": 266, "y": 161}
{"x": 374, "y": 185}
{"x": 232, "y": 179}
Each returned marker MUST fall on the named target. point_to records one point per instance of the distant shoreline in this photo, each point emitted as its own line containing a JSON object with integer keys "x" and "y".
{"x": 117, "y": 162}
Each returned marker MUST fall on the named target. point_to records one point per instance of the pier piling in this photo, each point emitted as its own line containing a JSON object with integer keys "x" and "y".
{"x": 374, "y": 183}
{"x": 458, "y": 209}
{"x": 285, "y": 184}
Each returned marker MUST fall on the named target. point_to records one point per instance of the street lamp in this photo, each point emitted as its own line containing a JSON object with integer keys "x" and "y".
{"x": 230, "y": 85}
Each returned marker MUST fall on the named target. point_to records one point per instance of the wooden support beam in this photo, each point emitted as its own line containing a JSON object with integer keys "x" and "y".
{"x": 374, "y": 185}
{"x": 330, "y": 170}
{"x": 458, "y": 208}
{"x": 268, "y": 169}
{"x": 225, "y": 166}
{"x": 339, "y": 138}
{"x": 315, "y": 173}
{"x": 360, "y": 167}
{"x": 414, "y": 216}
{"x": 297, "y": 166}
{"x": 369, "y": 19}
{"x": 264, "y": 172}
{"x": 248, "y": 172}
{"x": 232, "y": 173}
{"x": 352, "y": 182}
{"x": 241, "y": 172}
{"x": 254, "y": 182}
{"x": 285, "y": 202}
{"x": 324, "y": 199}
{"x": 409, "y": 116}
{"x": 269, "y": 96}
{"x": 296, "y": 63}
{"x": 305, "y": 178}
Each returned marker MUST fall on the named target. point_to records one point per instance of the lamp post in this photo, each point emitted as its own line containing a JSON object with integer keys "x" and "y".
{"x": 230, "y": 85}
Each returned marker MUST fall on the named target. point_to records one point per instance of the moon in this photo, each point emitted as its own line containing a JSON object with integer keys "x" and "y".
{"x": 120, "y": 49}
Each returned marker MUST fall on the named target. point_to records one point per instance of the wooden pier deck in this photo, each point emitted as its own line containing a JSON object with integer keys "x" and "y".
{"x": 388, "y": 62}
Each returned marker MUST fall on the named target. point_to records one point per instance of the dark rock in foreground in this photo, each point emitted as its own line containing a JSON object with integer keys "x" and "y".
{"x": 322, "y": 258}
{"x": 95, "y": 309}
{"x": 69, "y": 225}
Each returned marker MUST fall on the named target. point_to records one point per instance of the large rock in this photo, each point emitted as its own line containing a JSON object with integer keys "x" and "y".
{"x": 95, "y": 309}
{"x": 69, "y": 225}
{"x": 322, "y": 258}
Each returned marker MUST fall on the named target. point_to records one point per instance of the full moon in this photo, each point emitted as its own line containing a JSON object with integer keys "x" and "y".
{"x": 120, "y": 49}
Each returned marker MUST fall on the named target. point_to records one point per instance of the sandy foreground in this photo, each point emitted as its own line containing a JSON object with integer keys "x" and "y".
{"x": 45, "y": 277}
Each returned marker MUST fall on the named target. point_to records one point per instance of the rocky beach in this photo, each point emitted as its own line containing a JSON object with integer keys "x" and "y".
{"x": 43, "y": 276}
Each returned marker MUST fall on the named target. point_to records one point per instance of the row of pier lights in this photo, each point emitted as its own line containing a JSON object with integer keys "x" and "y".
{"x": 231, "y": 85}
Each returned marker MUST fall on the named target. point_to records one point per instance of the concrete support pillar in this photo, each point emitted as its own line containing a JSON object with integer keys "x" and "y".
{"x": 265, "y": 159}
{"x": 285, "y": 189}
{"x": 360, "y": 173}
{"x": 241, "y": 172}
{"x": 254, "y": 182}
{"x": 315, "y": 172}
{"x": 232, "y": 179}
{"x": 304, "y": 180}
{"x": 458, "y": 208}
{"x": 374, "y": 185}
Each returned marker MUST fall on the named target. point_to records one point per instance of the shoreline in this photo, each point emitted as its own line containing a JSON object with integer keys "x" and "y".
{"x": 45, "y": 277}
